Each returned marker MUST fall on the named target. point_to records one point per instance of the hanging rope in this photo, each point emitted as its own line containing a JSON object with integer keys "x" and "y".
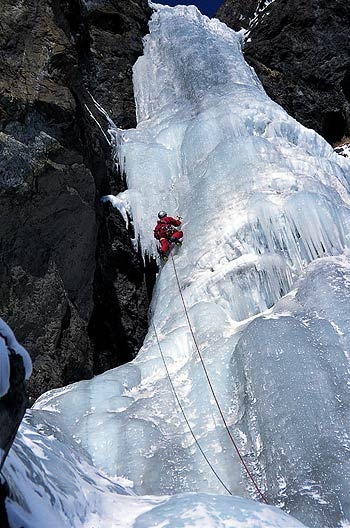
{"x": 213, "y": 392}
{"x": 185, "y": 417}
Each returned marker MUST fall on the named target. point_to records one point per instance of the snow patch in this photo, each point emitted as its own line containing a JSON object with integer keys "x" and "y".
{"x": 8, "y": 346}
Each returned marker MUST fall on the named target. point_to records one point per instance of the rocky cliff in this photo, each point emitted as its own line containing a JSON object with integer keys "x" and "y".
{"x": 300, "y": 49}
{"x": 238, "y": 14}
{"x": 67, "y": 267}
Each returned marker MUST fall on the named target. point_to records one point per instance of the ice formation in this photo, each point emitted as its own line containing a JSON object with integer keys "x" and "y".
{"x": 264, "y": 275}
{"x": 54, "y": 484}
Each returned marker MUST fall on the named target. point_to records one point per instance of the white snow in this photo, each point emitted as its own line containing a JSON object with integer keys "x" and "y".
{"x": 54, "y": 484}
{"x": 120, "y": 203}
{"x": 343, "y": 150}
{"x": 260, "y": 12}
{"x": 8, "y": 346}
{"x": 264, "y": 275}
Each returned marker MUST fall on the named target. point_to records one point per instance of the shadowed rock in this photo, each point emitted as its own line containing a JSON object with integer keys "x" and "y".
{"x": 55, "y": 61}
{"x": 301, "y": 52}
{"x": 237, "y": 14}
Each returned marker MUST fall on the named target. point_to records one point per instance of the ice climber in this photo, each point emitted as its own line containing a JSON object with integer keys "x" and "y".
{"x": 166, "y": 232}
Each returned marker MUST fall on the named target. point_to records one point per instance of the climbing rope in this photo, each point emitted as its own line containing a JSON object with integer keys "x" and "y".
{"x": 185, "y": 417}
{"x": 213, "y": 392}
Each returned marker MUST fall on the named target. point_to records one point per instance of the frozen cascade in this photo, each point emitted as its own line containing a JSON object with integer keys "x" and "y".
{"x": 240, "y": 171}
{"x": 265, "y": 276}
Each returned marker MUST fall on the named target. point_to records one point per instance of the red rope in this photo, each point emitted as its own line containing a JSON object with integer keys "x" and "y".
{"x": 185, "y": 417}
{"x": 213, "y": 392}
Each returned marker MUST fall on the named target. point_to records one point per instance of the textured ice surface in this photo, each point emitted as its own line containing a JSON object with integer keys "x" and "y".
{"x": 54, "y": 484}
{"x": 8, "y": 346}
{"x": 258, "y": 203}
{"x": 294, "y": 363}
{"x": 264, "y": 274}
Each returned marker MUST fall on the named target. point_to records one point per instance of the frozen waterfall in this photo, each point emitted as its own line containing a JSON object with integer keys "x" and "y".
{"x": 264, "y": 274}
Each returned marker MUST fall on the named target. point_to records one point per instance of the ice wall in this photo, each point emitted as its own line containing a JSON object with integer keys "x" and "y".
{"x": 295, "y": 365}
{"x": 265, "y": 204}
{"x": 53, "y": 484}
{"x": 261, "y": 196}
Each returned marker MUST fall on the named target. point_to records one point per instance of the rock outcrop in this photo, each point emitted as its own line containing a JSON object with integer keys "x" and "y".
{"x": 119, "y": 317}
{"x": 238, "y": 14}
{"x": 301, "y": 53}
{"x": 56, "y": 61}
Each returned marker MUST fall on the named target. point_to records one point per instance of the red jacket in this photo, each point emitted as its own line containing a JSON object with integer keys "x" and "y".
{"x": 165, "y": 227}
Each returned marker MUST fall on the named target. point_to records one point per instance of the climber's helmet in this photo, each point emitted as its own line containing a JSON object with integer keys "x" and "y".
{"x": 161, "y": 214}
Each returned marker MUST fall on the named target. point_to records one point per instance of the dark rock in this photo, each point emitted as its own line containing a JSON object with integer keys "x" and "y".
{"x": 121, "y": 302}
{"x": 3, "y": 514}
{"x": 55, "y": 61}
{"x": 300, "y": 49}
{"x": 47, "y": 263}
{"x": 237, "y": 14}
{"x": 115, "y": 29}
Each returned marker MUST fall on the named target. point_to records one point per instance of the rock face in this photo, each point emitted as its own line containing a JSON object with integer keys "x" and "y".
{"x": 119, "y": 318}
{"x": 300, "y": 49}
{"x": 238, "y": 14}
{"x": 55, "y": 61}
